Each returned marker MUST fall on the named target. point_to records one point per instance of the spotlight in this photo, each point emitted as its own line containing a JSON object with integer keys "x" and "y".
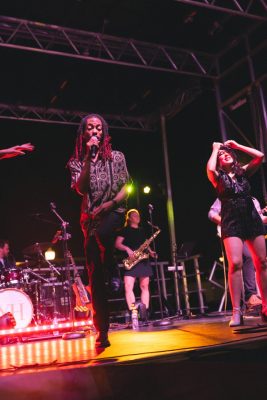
{"x": 130, "y": 188}
{"x": 147, "y": 189}
{"x": 50, "y": 254}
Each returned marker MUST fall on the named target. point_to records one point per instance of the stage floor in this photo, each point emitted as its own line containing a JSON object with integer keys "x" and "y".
{"x": 127, "y": 345}
{"x": 27, "y": 369}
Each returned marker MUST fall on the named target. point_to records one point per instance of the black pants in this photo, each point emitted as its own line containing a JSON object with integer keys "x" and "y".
{"x": 99, "y": 251}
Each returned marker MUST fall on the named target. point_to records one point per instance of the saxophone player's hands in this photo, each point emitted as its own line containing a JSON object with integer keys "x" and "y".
{"x": 153, "y": 254}
{"x": 129, "y": 251}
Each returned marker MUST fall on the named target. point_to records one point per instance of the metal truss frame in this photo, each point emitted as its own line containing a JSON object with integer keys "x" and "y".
{"x": 181, "y": 100}
{"x": 146, "y": 123}
{"x": 56, "y": 40}
{"x": 232, "y": 7}
{"x": 57, "y": 116}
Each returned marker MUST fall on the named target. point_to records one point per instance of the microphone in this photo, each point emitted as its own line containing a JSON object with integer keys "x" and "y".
{"x": 53, "y": 205}
{"x": 150, "y": 207}
{"x": 93, "y": 150}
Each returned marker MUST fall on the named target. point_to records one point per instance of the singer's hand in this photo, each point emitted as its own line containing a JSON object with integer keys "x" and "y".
{"x": 18, "y": 150}
{"x": 107, "y": 206}
{"x": 232, "y": 144}
{"x": 92, "y": 141}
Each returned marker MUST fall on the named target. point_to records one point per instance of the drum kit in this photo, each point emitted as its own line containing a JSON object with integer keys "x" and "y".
{"x": 34, "y": 291}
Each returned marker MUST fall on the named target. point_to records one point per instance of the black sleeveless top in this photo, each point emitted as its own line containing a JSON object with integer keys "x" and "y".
{"x": 239, "y": 215}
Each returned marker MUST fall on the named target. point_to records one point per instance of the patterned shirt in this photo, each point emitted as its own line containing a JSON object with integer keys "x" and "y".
{"x": 106, "y": 180}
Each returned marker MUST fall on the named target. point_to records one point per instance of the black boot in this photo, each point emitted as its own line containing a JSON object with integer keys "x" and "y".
{"x": 102, "y": 340}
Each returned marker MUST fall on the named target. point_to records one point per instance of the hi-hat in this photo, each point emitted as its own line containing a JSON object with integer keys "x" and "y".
{"x": 26, "y": 264}
{"x": 37, "y": 248}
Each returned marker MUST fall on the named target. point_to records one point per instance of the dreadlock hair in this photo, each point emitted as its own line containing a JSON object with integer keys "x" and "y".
{"x": 105, "y": 150}
{"x": 237, "y": 169}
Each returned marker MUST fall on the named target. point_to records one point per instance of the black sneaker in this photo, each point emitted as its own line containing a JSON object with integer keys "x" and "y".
{"x": 102, "y": 340}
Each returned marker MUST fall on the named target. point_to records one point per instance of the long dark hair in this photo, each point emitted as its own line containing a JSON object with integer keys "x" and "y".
{"x": 237, "y": 168}
{"x": 105, "y": 150}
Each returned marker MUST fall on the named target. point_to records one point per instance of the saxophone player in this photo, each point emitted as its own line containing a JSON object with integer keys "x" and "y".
{"x": 129, "y": 239}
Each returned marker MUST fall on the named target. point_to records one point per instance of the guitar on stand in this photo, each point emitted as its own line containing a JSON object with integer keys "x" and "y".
{"x": 83, "y": 298}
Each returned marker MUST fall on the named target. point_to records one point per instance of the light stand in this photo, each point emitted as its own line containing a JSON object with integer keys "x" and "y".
{"x": 65, "y": 236}
{"x": 162, "y": 322}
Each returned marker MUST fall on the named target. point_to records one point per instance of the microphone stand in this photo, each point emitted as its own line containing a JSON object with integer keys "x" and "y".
{"x": 162, "y": 321}
{"x": 65, "y": 236}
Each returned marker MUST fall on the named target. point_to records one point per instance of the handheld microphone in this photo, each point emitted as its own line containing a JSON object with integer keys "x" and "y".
{"x": 93, "y": 150}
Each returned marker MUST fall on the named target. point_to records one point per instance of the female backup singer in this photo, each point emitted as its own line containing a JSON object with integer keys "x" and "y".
{"x": 240, "y": 221}
{"x": 130, "y": 238}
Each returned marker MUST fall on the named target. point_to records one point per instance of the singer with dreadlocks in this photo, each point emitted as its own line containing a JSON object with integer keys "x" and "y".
{"x": 100, "y": 175}
{"x": 240, "y": 221}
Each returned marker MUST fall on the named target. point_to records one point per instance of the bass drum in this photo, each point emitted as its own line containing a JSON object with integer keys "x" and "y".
{"x": 18, "y": 304}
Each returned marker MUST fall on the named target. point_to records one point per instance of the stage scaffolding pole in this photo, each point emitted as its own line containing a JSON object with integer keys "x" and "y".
{"x": 219, "y": 106}
{"x": 170, "y": 212}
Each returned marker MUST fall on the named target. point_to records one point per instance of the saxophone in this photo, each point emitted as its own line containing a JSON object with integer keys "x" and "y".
{"x": 139, "y": 254}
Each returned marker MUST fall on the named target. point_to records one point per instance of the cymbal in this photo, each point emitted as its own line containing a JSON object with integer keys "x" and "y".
{"x": 27, "y": 264}
{"x": 37, "y": 248}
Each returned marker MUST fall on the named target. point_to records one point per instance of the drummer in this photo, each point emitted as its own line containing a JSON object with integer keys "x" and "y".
{"x": 7, "y": 261}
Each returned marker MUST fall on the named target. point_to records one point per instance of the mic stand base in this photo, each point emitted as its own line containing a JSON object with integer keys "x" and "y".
{"x": 73, "y": 335}
{"x": 163, "y": 323}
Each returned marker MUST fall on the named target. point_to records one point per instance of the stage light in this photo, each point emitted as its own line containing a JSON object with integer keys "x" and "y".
{"x": 42, "y": 328}
{"x": 50, "y": 255}
{"x": 130, "y": 188}
{"x": 147, "y": 189}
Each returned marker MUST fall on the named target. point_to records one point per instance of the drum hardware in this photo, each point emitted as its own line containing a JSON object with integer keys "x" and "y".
{"x": 36, "y": 248}
{"x": 33, "y": 288}
{"x": 64, "y": 237}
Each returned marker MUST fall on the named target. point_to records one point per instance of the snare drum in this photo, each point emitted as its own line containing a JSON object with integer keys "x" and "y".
{"x": 18, "y": 304}
{"x": 13, "y": 278}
